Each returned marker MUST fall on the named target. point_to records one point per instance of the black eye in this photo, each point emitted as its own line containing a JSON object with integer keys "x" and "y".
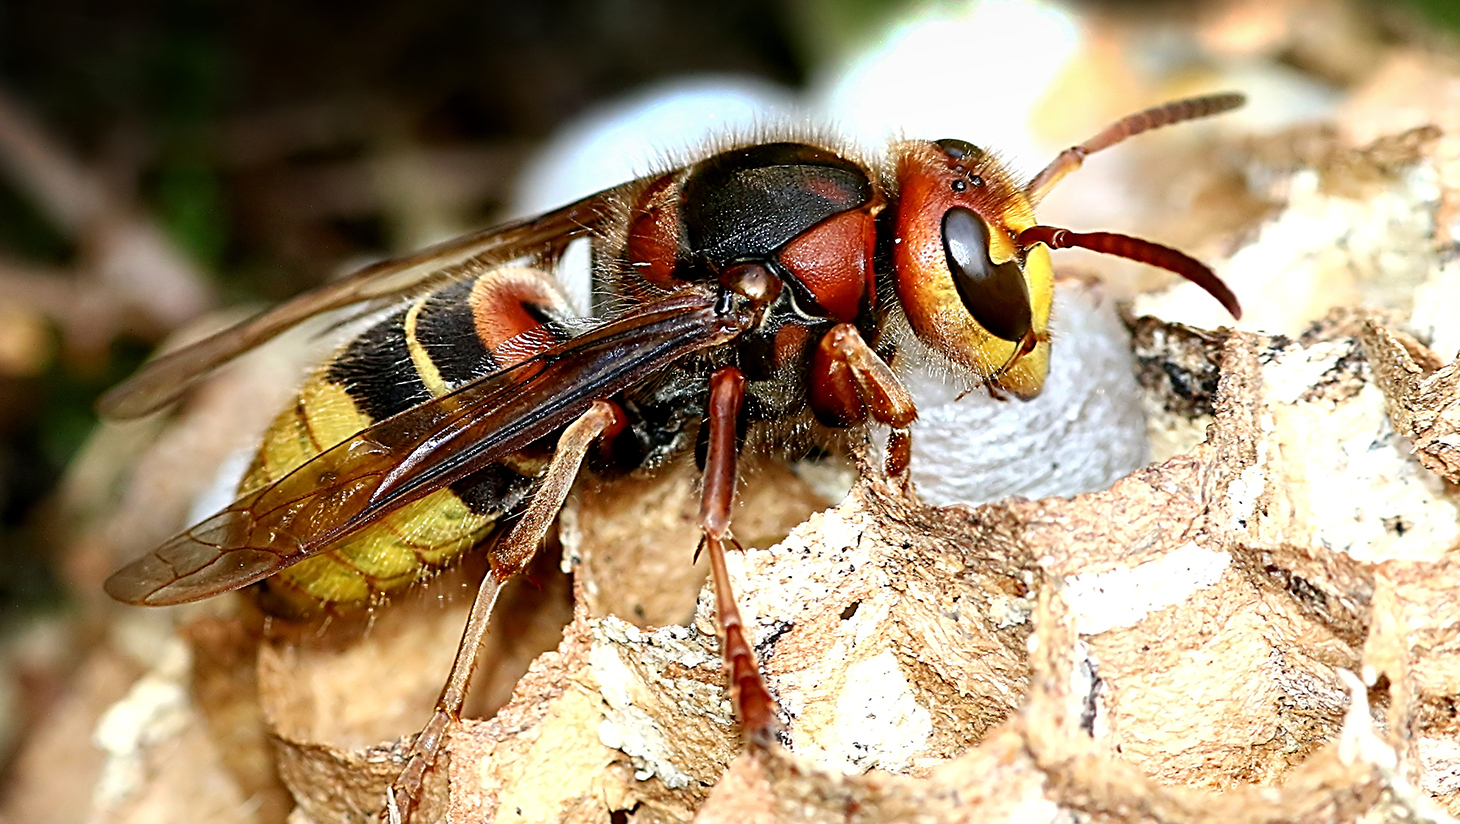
{"x": 996, "y": 295}
{"x": 958, "y": 149}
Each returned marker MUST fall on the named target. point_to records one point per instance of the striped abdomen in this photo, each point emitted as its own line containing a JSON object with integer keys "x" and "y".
{"x": 442, "y": 340}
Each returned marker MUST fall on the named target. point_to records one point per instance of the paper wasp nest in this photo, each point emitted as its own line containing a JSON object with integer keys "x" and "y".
{"x": 1262, "y": 625}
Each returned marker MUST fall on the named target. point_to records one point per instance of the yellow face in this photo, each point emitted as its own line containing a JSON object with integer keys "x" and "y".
{"x": 966, "y": 287}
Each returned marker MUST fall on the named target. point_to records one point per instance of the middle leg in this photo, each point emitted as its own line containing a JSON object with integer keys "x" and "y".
{"x": 748, "y": 691}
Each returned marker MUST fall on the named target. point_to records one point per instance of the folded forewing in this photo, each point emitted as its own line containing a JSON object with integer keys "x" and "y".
{"x": 410, "y": 455}
{"x": 162, "y": 380}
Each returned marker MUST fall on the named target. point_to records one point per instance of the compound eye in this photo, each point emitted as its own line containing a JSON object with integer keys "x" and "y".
{"x": 996, "y": 295}
{"x": 958, "y": 149}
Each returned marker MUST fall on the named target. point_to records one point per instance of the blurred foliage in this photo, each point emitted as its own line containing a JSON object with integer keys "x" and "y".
{"x": 25, "y": 233}
{"x": 1444, "y": 12}
{"x": 45, "y": 418}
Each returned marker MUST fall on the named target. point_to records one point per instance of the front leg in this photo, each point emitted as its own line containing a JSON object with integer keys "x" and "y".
{"x": 850, "y": 383}
{"x": 748, "y": 692}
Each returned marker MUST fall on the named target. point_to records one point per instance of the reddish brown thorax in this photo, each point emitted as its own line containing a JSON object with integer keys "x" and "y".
{"x": 652, "y": 246}
{"x": 834, "y": 261}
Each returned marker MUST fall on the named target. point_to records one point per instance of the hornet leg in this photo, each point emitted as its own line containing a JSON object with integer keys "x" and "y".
{"x": 508, "y": 558}
{"x": 748, "y": 692}
{"x": 850, "y": 383}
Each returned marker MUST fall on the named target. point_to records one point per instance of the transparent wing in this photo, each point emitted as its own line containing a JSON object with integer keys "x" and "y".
{"x": 162, "y": 380}
{"x": 410, "y": 455}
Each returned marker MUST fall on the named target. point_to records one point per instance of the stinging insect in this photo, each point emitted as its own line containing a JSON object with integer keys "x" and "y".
{"x": 760, "y": 287}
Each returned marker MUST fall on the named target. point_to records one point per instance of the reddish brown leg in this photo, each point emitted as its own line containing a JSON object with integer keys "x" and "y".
{"x": 508, "y": 558}
{"x": 748, "y": 692}
{"x": 850, "y": 383}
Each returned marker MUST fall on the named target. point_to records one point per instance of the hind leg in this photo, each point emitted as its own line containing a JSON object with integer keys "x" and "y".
{"x": 509, "y": 557}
